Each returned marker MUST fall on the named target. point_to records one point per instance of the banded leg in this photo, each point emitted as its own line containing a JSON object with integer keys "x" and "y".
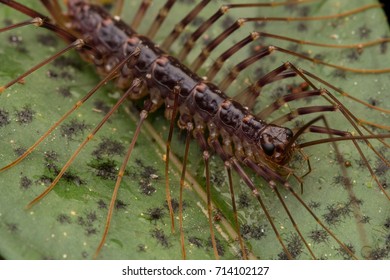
{"x": 198, "y": 134}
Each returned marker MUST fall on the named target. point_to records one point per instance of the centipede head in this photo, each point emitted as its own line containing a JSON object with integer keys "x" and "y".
{"x": 275, "y": 142}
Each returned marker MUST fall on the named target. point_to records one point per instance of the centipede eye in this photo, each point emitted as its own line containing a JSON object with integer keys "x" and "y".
{"x": 268, "y": 148}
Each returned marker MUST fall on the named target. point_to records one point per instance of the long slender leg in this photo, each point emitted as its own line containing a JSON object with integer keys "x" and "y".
{"x": 188, "y": 45}
{"x": 179, "y": 27}
{"x": 231, "y": 161}
{"x": 134, "y": 87}
{"x": 219, "y": 62}
{"x": 143, "y": 115}
{"x": 189, "y": 129}
{"x": 140, "y": 13}
{"x": 234, "y": 206}
{"x": 172, "y": 117}
{"x": 130, "y": 60}
{"x": 205, "y": 53}
{"x": 198, "y": 134}
{"x": 76, "y": 44}
{"x": 158, "y": 21}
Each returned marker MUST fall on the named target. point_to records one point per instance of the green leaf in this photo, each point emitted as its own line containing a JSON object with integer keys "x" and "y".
{"x": 69, "y": 222}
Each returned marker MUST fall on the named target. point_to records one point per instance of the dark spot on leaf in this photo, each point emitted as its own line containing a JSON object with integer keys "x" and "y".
{"x": 4, "y": 118}
{"x": 155, "y": 214}
{"x": 256, "y": 232}
{"x": 336, "y": 212}
{"x": 345, "y": 254}
{"x": 91, "y": 216}
{"x": 314, "y": 204}
{"x": 294, "y": 247}
{"x": 243, "y": 200}
{"x": 73, "y": 128}
{"x": 196, "y": 241}
{"x": 120, "y": 205}
{"x": 64, "y": 91}
{"x": 90, "y": 231}
{"x": 12, "y": 227}
{"x": 365, "y": 219}
{"x": 105, "y": 168}
{"x": 64, "y": 219}
{"x": 387, "y": 223}
{"x": 52, "y": 74}
{"x": 339, "y": 73}
{"x": 318, "y": 236}
{"x": 353, "y": 55}
{"x": 364, "y": 32}
{"x": 381, "y": 168}
{"x": 175, "y": 205}
{"x": 51, "y": 156}
{"x": 20, "y": 151}
{"x": 64, "y": 61}
{"x": 47, "y": 40}
{"x": 379, "y": 254}
{"x": 141, "y": 248}
{"x": 45, "y": 180}
{"x": 160, "y": 236}
{"x": 101, "y": 106}
{"x": 302, "y": 27}
{"x": 108, "y": 147}
{"x": 25, "y": 116}
{"x": 25, "y": 183}
{"x": 341, "y": 180}
{"x": 220, "y": 247}
{"x": 102, "y": 204}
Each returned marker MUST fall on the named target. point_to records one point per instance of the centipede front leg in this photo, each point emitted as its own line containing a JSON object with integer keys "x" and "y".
{"x": 287, "y": 141}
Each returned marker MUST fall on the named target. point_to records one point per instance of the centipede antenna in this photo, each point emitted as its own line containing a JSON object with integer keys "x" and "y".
{"x": 176, "y": 92}
{"x": 179, "y": 27}
{"x": 136, "y": 85}
{"x": 354, "y": 122}
{"x": 302, "y": 111}
{"x": 189, "y": 129}
{"x": 76, "y": 44}
{"x": 139, "y": 15}
{"x": 158, "y": 21}
{"x": 234, "y": 206}
{"x": 109, "y": 76}
{"x": 353, "y": 199}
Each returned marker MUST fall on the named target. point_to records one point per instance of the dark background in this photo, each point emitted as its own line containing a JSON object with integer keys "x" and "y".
{"x": 386, "y": 7}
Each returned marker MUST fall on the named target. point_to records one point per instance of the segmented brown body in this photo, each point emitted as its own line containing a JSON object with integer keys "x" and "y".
{"x": 221, "y": 123}
{"x": 199, "y": 101}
